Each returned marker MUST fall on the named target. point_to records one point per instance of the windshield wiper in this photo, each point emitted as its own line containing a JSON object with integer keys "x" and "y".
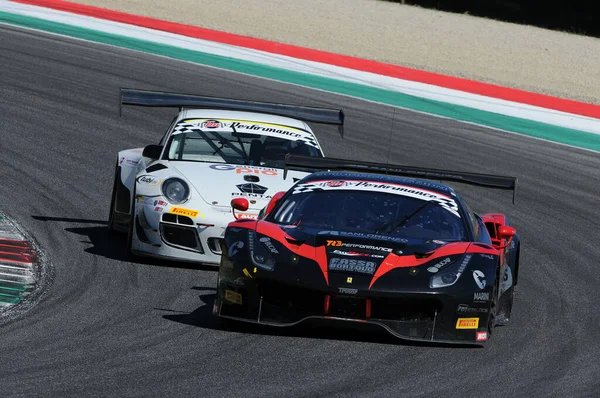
{"x": 404, "y": 220}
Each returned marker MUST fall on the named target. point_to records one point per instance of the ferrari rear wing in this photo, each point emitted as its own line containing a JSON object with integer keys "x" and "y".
{"x": 308, "y": 163}
{"x": 129, "y": 96}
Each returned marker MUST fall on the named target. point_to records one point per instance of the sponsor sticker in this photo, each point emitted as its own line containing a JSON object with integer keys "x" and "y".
{"x": 245, "y": 216}
{"x": 246, "y": 169}
{"x": 252, "y": 188}
{"x": 351, "y": 254}
{"x": 352, "y": 265}
{"x": 347, "y": 290}
{"x": 479, "y": 278}
{"x": 251, "y": 195}
{"x": 462, "y": 308}
{"x": 212, "y": 124}
{"x": 268, "y": 244}
{"x": 349, "y": 279}
{"x": 243, "y": 126}
{"x": 339, "y": 243}
{"x": 363, "y": 235}
{"x": 233, "y": 297}
{"x": 127, "y": 162}
{"x": 184, "y": 212}
{"x": 481, "y": 336}
{"x": 467, "y": 323}
{"x": 481, "y": 296}
{"x": 488, "y": 256}
{"x": 435, "y": 268}
{"x": 148, "y": 180}
{"x": 444, "y": 201}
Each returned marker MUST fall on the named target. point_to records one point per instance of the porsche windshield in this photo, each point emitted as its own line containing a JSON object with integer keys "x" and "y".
{"x": 371, "y": 212}
{"x": 236, "y": 148}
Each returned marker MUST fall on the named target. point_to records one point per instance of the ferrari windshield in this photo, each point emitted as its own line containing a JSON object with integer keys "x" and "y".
{"x": 236, "y": 148}
{"x": 371, "y": 212}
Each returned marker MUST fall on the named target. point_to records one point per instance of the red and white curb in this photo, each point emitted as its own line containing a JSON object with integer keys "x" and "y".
{"x": 17, "y": 261}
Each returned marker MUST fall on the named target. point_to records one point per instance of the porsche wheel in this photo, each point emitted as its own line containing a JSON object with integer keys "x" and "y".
{"x": 131, "y": 231}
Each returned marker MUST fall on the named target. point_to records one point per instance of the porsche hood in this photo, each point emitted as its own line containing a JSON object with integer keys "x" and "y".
{"x": 218, "y": 183}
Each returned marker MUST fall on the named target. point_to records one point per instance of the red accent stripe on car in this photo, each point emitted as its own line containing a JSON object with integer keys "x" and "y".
{"x": 393, "y": 261}
{"x": 317, "y": 254}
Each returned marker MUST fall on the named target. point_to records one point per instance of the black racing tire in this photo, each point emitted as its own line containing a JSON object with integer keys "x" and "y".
{"x": 506, "y": 308}
{"x": 130, "y": 231}
{"x": 111, "y": 214}
{"x": 493, "y": 306}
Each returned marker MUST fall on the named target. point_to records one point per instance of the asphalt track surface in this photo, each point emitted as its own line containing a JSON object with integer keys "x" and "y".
{"x": 111, "y": 326}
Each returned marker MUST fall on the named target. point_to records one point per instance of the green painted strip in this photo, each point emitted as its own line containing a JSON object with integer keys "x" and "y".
{"x": 16, "y": 285}
{"x": 12, "y": 292}
{"x": 517, "y": 125}
{"x": 10, "y": 296}
{"x": 14, "y": 300}
{"x": 12, "y": 289}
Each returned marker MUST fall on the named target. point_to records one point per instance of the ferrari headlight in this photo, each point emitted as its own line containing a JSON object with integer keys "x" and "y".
{"x": 450, "y": 274}
{"x": 175, "y": 190}
{"x": 259, "y": 255}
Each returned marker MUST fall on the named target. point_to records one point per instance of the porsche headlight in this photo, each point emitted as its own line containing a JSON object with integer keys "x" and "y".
{"x": 450, "y": 274}
{"x": 175, "y": 190}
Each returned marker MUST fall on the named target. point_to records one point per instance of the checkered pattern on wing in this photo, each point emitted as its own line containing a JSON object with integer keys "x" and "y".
{"x": 183, "y": 128}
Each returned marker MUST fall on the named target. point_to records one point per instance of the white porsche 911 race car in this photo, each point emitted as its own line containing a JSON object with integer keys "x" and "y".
{"x": 173, "y": 199}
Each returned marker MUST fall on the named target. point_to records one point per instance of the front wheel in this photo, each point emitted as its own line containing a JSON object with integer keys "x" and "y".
{"x": 111, "y": 214}
{"x": 131, "y": 231}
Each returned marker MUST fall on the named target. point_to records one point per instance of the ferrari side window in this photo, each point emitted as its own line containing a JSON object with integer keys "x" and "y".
{"x": 484, "y": 236}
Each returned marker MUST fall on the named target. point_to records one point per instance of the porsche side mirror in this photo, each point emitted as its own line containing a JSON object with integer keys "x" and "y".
{"x": 240, "y": 204}
{"x": 273, "y": 202}
{"x": 506, "y": 232}
{"x": 152, "y": 151}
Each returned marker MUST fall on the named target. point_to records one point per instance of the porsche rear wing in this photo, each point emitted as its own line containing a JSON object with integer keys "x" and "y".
{"x": 129, "y": 96}
{"x": 308, "y": 163}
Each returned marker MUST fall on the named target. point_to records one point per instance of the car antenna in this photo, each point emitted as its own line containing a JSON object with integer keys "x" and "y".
{"x": 390, "y": 143}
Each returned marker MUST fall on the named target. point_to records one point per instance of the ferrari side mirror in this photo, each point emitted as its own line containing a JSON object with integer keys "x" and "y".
{"x": 506, "y": 232}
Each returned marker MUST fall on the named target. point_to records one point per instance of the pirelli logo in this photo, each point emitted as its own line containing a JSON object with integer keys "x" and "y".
{"x": 184, "y": 212}
{"x": 467, "y": 323}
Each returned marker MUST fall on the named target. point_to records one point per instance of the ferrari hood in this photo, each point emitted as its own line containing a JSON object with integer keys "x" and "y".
{"x": 218, "y": 183}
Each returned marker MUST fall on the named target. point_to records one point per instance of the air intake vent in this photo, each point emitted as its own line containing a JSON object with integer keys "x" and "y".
{"x": 155, "y": 167}
{"x": 181, "y": 236}
{"x": 177, "y": 219}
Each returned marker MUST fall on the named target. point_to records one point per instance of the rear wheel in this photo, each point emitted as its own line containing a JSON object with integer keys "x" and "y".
{"x": 493, "y": 306}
